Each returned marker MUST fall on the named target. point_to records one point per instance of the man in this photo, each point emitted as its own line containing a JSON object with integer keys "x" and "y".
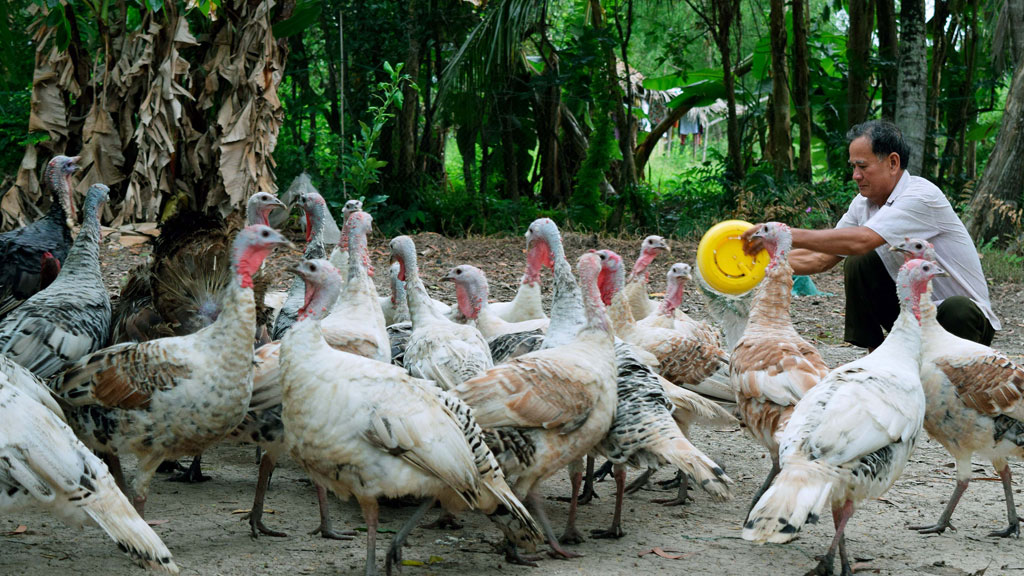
{"x": 893, "y": 206}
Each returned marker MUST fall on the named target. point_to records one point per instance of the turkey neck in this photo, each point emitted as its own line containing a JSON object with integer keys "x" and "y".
{"x": 567, "y": 313}
{"x": 59, "y": 190}
{"x": 315, "y": 248}
{"x": 903, "y": 344}
{"x": 421, "y": 310}
{"x": 358, "y": 260}
{"x": 398, "y": 297}
{"x": 771, "y": 304}
{"x": 84, "y": 256}
{"x": 673, "y": 297}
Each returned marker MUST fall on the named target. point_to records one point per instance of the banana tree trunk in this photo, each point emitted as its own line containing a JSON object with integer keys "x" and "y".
{"x": 913, "y": 81}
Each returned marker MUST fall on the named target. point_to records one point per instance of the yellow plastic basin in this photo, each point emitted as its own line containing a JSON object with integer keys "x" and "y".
{"x": 722, "y": 262}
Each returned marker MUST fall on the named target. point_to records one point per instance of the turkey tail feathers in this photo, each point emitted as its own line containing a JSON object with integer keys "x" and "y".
{"x": 795, "y": 498}
{"x": 116, "y": 516}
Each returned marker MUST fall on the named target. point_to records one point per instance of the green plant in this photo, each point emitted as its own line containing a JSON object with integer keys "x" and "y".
{"x": 361, "y": 165}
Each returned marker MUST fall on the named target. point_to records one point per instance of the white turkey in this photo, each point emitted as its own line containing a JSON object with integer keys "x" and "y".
{"x": 262, "y": 423}
{"x": 395, "y": 305}
{"x": 527, "y": 304}
{"x": 438, "y": 349}
{"x": 850, "y": 436}
{"x": 356, "y": 322}
{"x": 471, "y": 291}
{"x": 975, "y": 398}
{"x": 339, "y": 254}
{"x": 773, "y": 367}
{"x": 43, "y": 465}
{"x": 175, "y": 396}
{"x": 22, "y": 379}
{"x": 315, "y": 209}
{"x": 71, "y": 317}
{"x": 259, "y": 206}
{"x": 685, "y": 359}
{"x": 367, "y": 429}
{"x": 635, "y": 289}
{"x": 29, "y": 256}
{"x": 551, "y": 407}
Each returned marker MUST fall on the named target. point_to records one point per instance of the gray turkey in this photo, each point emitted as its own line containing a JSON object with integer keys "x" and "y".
{"x": 28, "y": 255}
{"x": 71, "y": 317}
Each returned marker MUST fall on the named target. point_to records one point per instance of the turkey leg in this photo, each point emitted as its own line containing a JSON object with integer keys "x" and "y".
{"x": 943, "y": 523}
{"x": 588, "y": 493}
{"x": 538, "y": 512}
{"x": 1011, "y": 510}
{"x": 682, "y": 496}
{"x": 767, "y": 482}
{"x": 394, "y": 556}
{"x": 825, "y": 565}
{"x": 194, "y": 473}
{"x": 640, "y": 482}
{"x": 370, "y": 510}
{"x": 256, "y": 526}
{"x": 571, "y": 535}
{"x": 620, "y": 486}
{"x": 326, "y": 528}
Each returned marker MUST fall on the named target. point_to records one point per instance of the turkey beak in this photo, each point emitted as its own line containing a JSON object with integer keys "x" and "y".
{"x": 297, "y": 270}
{"x": 660, "y": 245}
{"x": 449, "y": 276}
{"x": 898, "y": 248}
{"x": 277, "y": 203}
{"x": 940, "y": 273}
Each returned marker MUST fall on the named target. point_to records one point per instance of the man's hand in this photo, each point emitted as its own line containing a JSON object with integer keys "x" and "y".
{"x": 751, "y": 246}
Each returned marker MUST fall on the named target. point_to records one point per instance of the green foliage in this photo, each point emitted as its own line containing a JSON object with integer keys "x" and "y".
{"x": 1003, "y": 265}
{"x": 586, "y": 209}
{"x": 361, "y": 165}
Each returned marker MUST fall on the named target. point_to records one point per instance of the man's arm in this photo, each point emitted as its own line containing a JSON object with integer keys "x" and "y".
{"x": 806, "y": 262}
{"x": 851, "y": 241}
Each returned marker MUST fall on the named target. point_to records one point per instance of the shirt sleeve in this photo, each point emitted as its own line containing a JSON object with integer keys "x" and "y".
{"x": 910, "y": 217}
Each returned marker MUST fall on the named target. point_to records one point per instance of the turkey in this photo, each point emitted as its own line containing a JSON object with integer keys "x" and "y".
{"x": 179, "y": 290}
{"x": 644, "y": 435}
{"x": 669, "y": 313}
{"x": 438, "y": 348}
{"x": 356, "y": 322}
{"x": 259, "y": 206}
{"x": 315, "y": 208}
{"x": 730, "y": 311}
{"x": 471, "y": 293}
{"x": 30, "y": 253}
{"x": 174, "y": 396}
{"x": 772, "y": 367}
{"x": 30, "y": 386}
{"x": 396, "y": 305}
{"x": 43, "y": 465}
{"x": 686, "y": 360}
{"x": 527, "y": 304}
{"x": 549, "y": 408}
{"x": 975, "y": 403}
{"x": 339, "y": 254}
{"x": 850, "y": 436}
{"x": 71, "y": 317}
{"x": 367, "y": 429}
{"x": 635, "y": 289}
{"x": 262, "y": 423}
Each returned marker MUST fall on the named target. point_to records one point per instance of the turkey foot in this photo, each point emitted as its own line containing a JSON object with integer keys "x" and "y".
{"x": 571, "y": 536}
{"x": 603, "y": 471}
{"x": 445, "y": 521}
{"x": 326, "y": 528}
{"x": 682, "y": 497}
{"x": 512, "y": 556}
{"x": 937, "y": 528}
{"x": 194, "y": 473}
{"x": 394, "y": 555}
{"x": 1011, "y": 530}
{"x": 169, "y": 466}
{"x": 636, "y": 485}
{"x": 615, "y": 532}
{"x": 588, "y": 493}
{"x": 560, "y": 553}
{"x": 256, "y": 527}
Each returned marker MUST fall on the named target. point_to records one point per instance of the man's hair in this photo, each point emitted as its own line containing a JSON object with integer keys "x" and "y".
{"x": 885, "y": 139}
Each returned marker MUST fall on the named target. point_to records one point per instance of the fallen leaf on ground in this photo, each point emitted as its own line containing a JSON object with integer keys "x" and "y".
{"x": 21, "y": 529}
{"x": 667, "y": 554}
{"x": 247, "y": 510}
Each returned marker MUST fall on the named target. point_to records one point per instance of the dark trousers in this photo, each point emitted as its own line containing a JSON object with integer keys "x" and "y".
{"x": 873, "y": 305}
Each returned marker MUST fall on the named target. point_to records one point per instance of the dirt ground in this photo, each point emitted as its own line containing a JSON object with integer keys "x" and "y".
{"x": 202, "y": 523}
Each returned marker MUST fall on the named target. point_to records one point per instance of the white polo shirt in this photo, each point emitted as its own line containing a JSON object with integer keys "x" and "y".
{"x": 918, "y": 209}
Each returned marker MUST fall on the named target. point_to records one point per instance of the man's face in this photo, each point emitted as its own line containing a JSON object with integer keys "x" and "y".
{"x": 875, "y": 177}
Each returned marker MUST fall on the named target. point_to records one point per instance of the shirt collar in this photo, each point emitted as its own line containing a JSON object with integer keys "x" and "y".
{"x": 900, "y": 187}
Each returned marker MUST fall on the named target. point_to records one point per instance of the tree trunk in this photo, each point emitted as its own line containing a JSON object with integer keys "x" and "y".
{"x": 888, "y": 51}
{"x": 646, "y": 148}
{"x": 994, "y": 209}
{"x": 781, "y": 142}
{"x": 961, "y": 114}
{"x": 727, "y": 10}
{"x": 547, "y": 112}
{"x": 858, "y": 51}
{"x": 410, "y": 109}
{"x": 801, "y": 90}
{"x": 913, "y": 81}
{"x": 941, "y": 43}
